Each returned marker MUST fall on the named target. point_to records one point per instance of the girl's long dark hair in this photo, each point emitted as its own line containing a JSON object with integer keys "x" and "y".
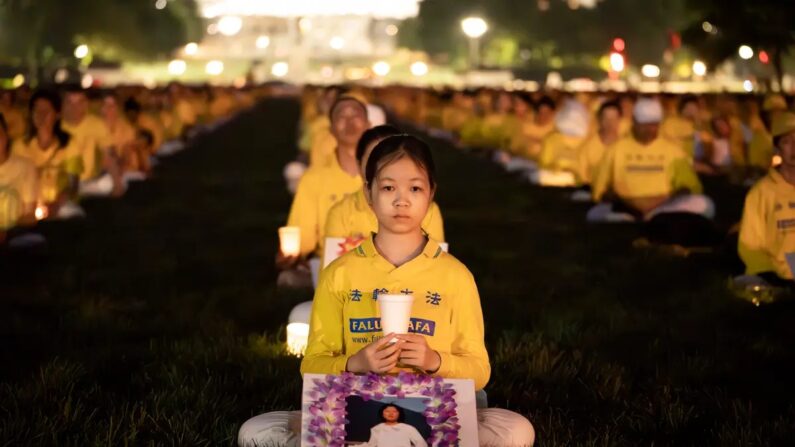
{"x": 54, "y": 99}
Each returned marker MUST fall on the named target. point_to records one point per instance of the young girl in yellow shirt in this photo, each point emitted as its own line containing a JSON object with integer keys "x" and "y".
{"x": 446, "y": 336}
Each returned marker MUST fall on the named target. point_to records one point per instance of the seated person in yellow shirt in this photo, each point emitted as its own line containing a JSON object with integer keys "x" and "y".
{"x": 15, "y": 120}
{"x": 91, "y": 130}
{"x": 528, "y": 142}
{"x": 399, "y": 259}
{"x": 18, "y": 186}
{"x": 353, "y": 218}
{"x": 56, "y": 155}
{"x": 122, "y": 133}
{"x": 644, "y": 175}
{"x": 323, "y": 186}
{"x": 559, "y": 159}
{"x": 144, "y": 121}
{"x": 767, "y": 230}
{"x": 760, "y": 148}
{"x": 593, "y": 150}
{"x": 683, "y": 127}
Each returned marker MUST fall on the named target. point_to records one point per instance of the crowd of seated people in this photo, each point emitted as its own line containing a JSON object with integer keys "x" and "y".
{"x": 61, "y": 144}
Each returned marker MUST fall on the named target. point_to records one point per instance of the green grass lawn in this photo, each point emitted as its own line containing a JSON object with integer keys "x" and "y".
{"x": 157, "y": 321}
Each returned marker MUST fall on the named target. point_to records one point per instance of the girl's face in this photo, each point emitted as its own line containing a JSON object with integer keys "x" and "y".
{"x": 786, "y": 148}
{"x": 110, "y": 109}
{"x": 391, "y": 414}
{"x": 44, "y": 115}
{"x": 400, "y": 196}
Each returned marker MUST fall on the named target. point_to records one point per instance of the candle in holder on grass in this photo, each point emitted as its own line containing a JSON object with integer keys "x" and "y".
{"x": 290, "y": 241}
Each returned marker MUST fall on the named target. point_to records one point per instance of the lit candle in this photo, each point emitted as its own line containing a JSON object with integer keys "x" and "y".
{"x": 297, "y": 337}
{"x": 290, "y": 241}
{"x": 41, "y": 211}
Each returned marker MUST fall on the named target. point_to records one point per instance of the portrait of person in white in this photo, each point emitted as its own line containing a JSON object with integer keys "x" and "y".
{"x": 392, "y": 432}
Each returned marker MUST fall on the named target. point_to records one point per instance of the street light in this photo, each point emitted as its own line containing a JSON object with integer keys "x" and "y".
{"x": 650, "y": 71}
{"x": 191, "y": 48}
{"x": 381, "y": 68}
{"x": 419, "y": 68}
{"x": 263, "y": 42}
{"x": 474, "y": 28}
{"x": 699, "y": 68}
{"x": 280, "y": 69}
{"x": 745, "y": 52}
{"x": 177, "y": 67}
{"x": 214, "y": 68}
{"x": 616, "y": 62}
{"x": 81, "y": 51}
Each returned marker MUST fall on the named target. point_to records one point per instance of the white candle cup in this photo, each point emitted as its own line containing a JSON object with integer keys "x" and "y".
{"x": 290, "y": 241}
{"x": 395, "y": 313}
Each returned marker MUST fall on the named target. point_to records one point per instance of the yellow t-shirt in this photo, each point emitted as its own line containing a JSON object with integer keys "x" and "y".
{"x": 15, "y": 120}
{"x": 561, "y": 153}
{"x": 353, "y": 217}
{"x": 319, "y": 189}
{"x": 95, "y": 137}
{"x": 186, "y": 112}
{"x": 18, "y": 189}
{"x": 323, "y": 151}
{"x": 592, "y": 153}
{"x": 453, "y": 118}
{"x": 767, "y": 230}
{"x": 760, "y": 149}
{"x": 527, "y": 142}
{"x": 122, "y": 134}
{"x": 446, "y": 310}
{"x": 148, "y": 122}
{"x": 681, "y": 131}
{"x": 54, "y": 165}
{"x": 634, "y": 171}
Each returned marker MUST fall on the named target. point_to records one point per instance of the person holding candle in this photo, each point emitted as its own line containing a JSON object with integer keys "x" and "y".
{"x": 57, "y": 156}
{"x": 18, "y": 186}
{"x": 767, "y": 229}
{"x": 446, "y": 333}
{"x": 323, "y": 186}
{"x": 353, "y": 218}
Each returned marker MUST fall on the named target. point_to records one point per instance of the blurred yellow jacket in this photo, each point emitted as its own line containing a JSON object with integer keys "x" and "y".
{"x": 319, "y": 189}
{"x": 561, "y": 153}
{"x": 353, "y": 217}
{"x": 760, "y": 149}
{"x": 591, "y": 154}
{"x": 54, "y": 164}
{"x": 18, "y": 189}
{"x": 632, "y": 170}
{"x": 94, "y": 137}
{"x": 767, "y": 230}
{"x": 446, "y": 310}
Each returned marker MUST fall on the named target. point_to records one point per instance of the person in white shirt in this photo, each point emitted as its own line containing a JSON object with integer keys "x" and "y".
{"x": 392, "y": 432}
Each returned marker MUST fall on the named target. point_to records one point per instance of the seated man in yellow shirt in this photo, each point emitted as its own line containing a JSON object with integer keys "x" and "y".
{"x": 323, "y": 186}
{"x": 559, "y": 159}
{"x": 767, "y": 230}
{"x": 643, "y": 175}
{"x": 18, "y": 186}
{"x": 92, "y": 132}
{"x": 353, "y": 218}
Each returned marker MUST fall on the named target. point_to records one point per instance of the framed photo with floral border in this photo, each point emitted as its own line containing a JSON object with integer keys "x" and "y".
{"x": 449, "y": 407}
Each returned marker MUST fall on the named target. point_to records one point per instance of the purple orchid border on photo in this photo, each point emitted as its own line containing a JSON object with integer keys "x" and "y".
{"x": 327, "y": 406}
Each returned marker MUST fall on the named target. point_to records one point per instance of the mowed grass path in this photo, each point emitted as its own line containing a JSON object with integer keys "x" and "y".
{"x": 156, "y": 320}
